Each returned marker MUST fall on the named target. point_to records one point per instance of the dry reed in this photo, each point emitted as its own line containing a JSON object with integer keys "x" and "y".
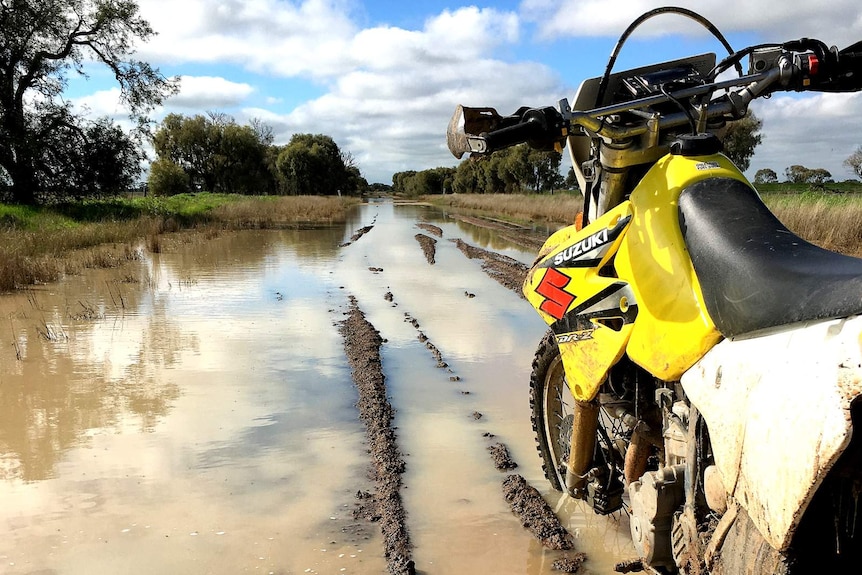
{"x": 281, "y": 211}
{"x": 831, "y": 222}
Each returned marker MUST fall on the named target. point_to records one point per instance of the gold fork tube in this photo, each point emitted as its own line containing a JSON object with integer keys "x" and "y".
{"x": 584, "y": 428}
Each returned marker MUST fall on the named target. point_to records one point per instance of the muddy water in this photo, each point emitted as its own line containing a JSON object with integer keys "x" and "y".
{"x": 193, "y": 412}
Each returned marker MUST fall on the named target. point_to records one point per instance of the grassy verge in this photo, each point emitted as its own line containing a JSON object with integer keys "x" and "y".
{"x": 39, "y": 245}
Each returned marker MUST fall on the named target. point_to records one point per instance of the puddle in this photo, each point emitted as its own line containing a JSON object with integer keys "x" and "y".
{"x": 193, "y": 412}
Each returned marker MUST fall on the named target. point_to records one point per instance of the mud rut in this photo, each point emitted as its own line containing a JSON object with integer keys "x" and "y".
{"x": 362, "y": 343}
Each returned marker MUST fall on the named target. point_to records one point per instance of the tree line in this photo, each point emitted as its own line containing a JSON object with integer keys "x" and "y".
{"x": 213, "y": 153}
{"x": 512, "y": 170}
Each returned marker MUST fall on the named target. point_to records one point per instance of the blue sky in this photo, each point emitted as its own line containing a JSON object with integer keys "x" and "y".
{"x": 383, "y": 77}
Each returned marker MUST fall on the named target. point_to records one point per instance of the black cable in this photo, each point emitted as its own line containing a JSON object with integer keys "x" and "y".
{"x": 603, "y": 85}
{"x": 735, "y": 58}
{"x": 685, "y": 109}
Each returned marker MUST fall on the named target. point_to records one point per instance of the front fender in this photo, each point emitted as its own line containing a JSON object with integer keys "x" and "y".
{"x": 778, "y": 411}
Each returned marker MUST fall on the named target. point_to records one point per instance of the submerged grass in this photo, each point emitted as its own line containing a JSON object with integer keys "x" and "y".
{"x": 39, "y": 245}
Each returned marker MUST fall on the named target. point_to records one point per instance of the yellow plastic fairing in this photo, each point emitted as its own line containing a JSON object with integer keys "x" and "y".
{"x": 590, "y": 313}
{"x": 673, "y": 329}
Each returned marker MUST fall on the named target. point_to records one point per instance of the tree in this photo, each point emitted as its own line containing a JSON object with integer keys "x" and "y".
{"x": 797, "y": 174}
{"x": 765, "y": 176}
{"x": 217, "y": 154}
{"x": 41, "y": 43}
{"x": 854, "y": 162}
{"x": 168, "y": 178}
{"x": 512, "y": 170}
{"x": 312, "y": 164}
{"x": 741, "y": 138}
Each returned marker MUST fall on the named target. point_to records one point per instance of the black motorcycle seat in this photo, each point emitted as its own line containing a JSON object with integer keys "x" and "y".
{"x": 755, "y": 273}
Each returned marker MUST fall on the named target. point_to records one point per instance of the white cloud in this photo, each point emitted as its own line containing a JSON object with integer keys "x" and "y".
{"x": 101, "y": 103}
{"x": 206, "y": 93}
{"x": 818, "y": 131}
{"x": 836, "y": 22}
{"x": 268, "y": 36}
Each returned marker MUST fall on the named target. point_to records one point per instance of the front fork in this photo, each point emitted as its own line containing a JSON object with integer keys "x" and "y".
{"x": 583, "y": 446}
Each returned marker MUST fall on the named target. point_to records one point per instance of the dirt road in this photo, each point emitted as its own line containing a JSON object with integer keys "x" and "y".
{"x": 362, "y": 345}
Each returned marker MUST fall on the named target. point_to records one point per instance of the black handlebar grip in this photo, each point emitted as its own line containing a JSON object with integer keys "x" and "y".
{"x": 542, "y": 128}
{"x": 513, "y": 135}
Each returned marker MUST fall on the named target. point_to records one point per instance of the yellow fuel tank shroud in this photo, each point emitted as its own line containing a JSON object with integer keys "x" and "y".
{"x": 650, "y": 304}
{"x": 590, "y": 311}
{"x": 673, "y": 329}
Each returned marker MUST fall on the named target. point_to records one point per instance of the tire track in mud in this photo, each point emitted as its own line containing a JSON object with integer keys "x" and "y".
{"x": 508, "y": 272}
{"x": 362, "y": 344}
{"x": 428, "y": 244}
{"x": 524, "y": 500}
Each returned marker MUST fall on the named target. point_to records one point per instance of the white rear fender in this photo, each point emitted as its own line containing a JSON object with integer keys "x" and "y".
{"x": 778, "y": 411}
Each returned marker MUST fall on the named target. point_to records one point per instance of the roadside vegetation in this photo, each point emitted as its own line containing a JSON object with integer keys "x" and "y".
{"x": 41, "y": 244}
{"x": 830, "y": 219}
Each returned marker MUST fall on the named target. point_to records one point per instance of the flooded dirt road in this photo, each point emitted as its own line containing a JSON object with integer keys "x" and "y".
{"x": 194, "y": 412}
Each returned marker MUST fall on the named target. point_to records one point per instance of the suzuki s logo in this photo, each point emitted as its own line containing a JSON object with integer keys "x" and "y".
{"x": 557, "y": 300}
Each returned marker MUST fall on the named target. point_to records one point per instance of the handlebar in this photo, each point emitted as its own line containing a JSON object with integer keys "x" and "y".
{"x": 800, "y": 65}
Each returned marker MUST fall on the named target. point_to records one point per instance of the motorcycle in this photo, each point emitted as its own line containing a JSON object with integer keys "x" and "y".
{"x": 703, "y": 367}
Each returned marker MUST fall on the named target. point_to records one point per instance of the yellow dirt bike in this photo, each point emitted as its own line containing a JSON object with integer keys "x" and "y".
{"x": 703, "y": 365}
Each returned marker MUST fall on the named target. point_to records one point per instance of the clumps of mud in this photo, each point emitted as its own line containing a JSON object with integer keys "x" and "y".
{"x": 536, "y": 515}
{"x": 571, "y": 564}
{"x": 429, "y": 247}
{"x": 359, "y": 233}
{"x": 508, "y": 272}
{"x": 502, "y": 459}
{"x": 428, "y": 345}
{"x": 431, "y": 229}
{"x": 362, "y": 346}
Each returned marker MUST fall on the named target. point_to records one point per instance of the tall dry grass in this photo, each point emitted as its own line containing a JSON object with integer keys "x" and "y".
{"x": 833, "y": 222}
{"x": 29, "y": 257}
{"x": 273, "y": 212}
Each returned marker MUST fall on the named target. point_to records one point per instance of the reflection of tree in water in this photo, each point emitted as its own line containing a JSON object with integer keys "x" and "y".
{"x": 60, "y": 392}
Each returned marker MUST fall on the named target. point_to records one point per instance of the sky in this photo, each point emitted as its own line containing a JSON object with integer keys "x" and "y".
{"x": 383, "y": 77}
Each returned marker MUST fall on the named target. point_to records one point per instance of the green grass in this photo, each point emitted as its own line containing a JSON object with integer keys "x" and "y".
{"x": 41, "y": 244}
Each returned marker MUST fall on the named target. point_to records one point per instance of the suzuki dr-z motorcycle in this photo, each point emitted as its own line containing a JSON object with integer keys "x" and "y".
{"x": 703, "y": 367}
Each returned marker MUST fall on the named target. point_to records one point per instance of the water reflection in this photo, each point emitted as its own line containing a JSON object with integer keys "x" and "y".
{"x": 193, "y": 411}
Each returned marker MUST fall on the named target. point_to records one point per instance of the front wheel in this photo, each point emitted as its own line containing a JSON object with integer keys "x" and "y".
{"x": 553, "y": 416}
{"x": 552, "y": 408}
